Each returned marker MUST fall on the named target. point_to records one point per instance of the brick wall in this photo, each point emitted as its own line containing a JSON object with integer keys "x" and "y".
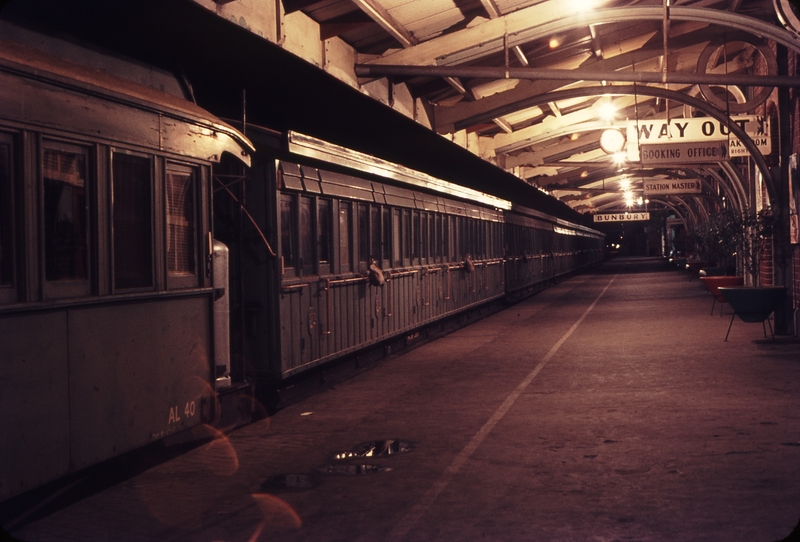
{"x": 796, "y": 275}
{"x": 765, "y": 274}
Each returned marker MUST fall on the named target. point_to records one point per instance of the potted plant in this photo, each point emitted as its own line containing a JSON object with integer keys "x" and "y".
{"x": 753, "y": 303}
{"x": 717, "y": 241}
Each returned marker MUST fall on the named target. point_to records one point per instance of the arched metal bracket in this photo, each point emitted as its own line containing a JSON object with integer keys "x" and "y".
{"x": 711, "y": 55}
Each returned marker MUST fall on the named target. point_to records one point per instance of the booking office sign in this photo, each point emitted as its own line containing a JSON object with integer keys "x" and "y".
{"x": 694, "y": 140}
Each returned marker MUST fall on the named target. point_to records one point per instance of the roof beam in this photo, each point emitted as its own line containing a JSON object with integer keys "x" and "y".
{"x": 522, "y": 138}
{"x": 494, "y": 13}
{"x": 290, "y": 6}
{"x": 538, "y": 158}
{"x": 491, "y": 72}
{"x": 449, "y": 119}
{"x": 494, "y": 29}
{"x": 491, "y": 8}
{"x": 551, "y": 18}
{"x": 380, "y": 15}
{"x": 506, "y": 127}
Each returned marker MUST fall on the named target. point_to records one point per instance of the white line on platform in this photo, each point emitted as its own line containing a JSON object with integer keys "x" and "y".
{"x": 415, "y": 514}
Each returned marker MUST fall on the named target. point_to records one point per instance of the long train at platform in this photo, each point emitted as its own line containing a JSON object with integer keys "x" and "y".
{"x": 158, "y": 267}
{"x": 336, "y": 252}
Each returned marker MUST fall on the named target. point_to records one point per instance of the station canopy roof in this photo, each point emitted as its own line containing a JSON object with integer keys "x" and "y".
{"x": 551, "y": 87}
{"x": 546, "y": 89}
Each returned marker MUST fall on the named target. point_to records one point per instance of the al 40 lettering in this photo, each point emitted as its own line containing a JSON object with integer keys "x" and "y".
{"x": 189, "y": 410}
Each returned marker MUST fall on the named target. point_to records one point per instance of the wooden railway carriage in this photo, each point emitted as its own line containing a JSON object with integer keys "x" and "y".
{"x": 328, "y": 217}
{"x": 422, "y": 242}
{"x": 329, "y": 223}
{"x": 106, "y": 328}
{"x": 541, "y": 248}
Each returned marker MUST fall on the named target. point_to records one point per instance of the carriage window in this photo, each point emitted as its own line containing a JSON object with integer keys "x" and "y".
{"x": 447, "y": 241}
{"x": 481, "y": 233}
{"x": 407, "y": 240}
{"x": 288, "y": 239}
{"x": 345, "y": 234}
{"x": 306, "y": 235}
{"x": 387, "y": 237}
{"x": 438, "y": 239}
{"x": 363, "y": 237}
{"x": 6, "y": 219}
{"x": 66, "y": 246}
{"x": 133, "y": 238}
{"x": 398, "y": 258}
{"x": 324, "y": 227}
{"x": 375, "y": 250}
{"x": 461, "y": 235}
{"x": 181, "y": 227}
{"x": 424, "y": 232}
{"x": 415, "y": 245}
{"x": 464, "y": 231}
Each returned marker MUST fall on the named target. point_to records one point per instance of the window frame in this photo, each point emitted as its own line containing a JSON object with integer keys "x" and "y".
{"x": 9, "y": 291}
{"x": 288, "y": 262}
{"x": 424, "y": 250}
{"x": 325, "y": 267}
{"x": 397, "y": 242}
{"x": 307, "y": 239}
{"x": 376, "y": 234}
{"x": 112, "y": 224}
{"x": 363, "y": 230}
{"x": 386, "y": 237}
{"x": 345, "y": 261}
{"x": 69, "y": 288}
{"x": 174, "y": 280}
{"x": 406, "y": 238}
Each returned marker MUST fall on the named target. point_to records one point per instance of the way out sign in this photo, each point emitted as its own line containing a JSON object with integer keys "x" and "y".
{"x": 620, "y": 217}
{"x": 672, "y": 186}
{"x": 699, "y": 129}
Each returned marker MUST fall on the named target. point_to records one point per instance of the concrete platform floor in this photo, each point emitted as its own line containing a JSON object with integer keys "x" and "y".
{"x": 607, "y": 408}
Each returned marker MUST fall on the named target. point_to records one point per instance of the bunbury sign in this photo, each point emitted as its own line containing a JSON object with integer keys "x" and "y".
{"x": 621, "y": 217}
{"x": 700, "y": 129}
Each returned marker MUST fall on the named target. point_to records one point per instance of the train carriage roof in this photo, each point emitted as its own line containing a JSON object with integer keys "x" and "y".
{"x": 66, "y": 95}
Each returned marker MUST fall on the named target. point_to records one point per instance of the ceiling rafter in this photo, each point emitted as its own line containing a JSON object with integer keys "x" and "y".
{"x": 463, "y": 114}
{"x": 494, "y": 13}
{"x": 381, "y": 15}
{"x": 552, "y": 18}
{"x": 480, "y": 35}
{"x": 539, "y": 157}
{"x": 522, "y": 138}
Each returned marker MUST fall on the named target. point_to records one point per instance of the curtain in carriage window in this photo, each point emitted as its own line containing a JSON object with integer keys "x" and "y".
{"x": 66, "y": 249}
{"x": 181, "y": 228}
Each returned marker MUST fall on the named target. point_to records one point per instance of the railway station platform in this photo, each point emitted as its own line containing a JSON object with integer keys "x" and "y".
{"x": 608, "y": 407}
